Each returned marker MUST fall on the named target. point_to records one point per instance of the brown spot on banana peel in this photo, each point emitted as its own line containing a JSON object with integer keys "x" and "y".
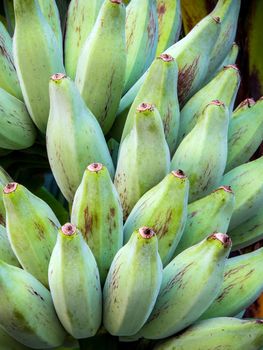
{"x": 185, "y": 79}
{"x": 221, "y": 237}
{"x": 151, "y": 28}
{"x": 10, "y": 187}
{"x": 68, "y": 229}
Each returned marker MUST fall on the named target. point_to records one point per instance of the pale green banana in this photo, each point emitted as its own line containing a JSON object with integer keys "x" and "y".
{"x": 97, "y": 213}
{"x": 9, "y": 343}
{"x": 4, "y": 180}
{"x": 159, "y": 88}
{"x": 245, "y": 132}
{"x": 74, "y": 284}
{"x": 132, "y": 285}
{"x": 17, "y": 130}
{"x": 141, "y": 38}
{"x": 10, "y": 15}
{"x": 169, "y": 23}
{"x": 223, "y": 87}
{"x": 81, "y": 17}
{"x": 242, "y": 285}
{"x": 76, "y": 142}
{"x": 144, "y": 157}
{"x": 190, "y": 283}
{"x": 8, "y": 77}
{"x": 246, "y": 182}
{"x": 209, "y": 214}
{"x": 37, "y": 56}
{"x": 100, "y": 74}
{"x": 164, "y": 209}
{"x": 6, "y": 252}
{"x": 27, "y": 311}
{"x": 218, "y": 333}
{"x": 32, "y": 229}
{"x": 206, "y": 168}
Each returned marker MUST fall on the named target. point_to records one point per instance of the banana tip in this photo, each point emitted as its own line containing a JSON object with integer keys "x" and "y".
{"x": 226, "y": 189}
{"x": 58, "y": 77}
{"x": 11, "y": 187}
{"x": 146, "y": 232}
{"x": 217, "y": 103}
{"x": 145, "y": 107}
{"x": 232, "y": 66}
{"x": 94, "y": 167}
{"x": 68, "y": 229}
{"x": 179, "y": 173}
{"x": 116, "y": 1}
{"x": 222, "y": 237}
{"x": 217, "y": 19}
{"x": 166, "y": 58}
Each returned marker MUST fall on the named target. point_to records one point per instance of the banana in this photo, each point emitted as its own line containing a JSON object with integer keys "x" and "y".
{"x": 32, "y": 229}
{"x": 242, "y": 285}
{"x": 164, "y": 209}
{"x": 113, "y": 146}
{"x": 74, "y": 284}
{"x": 141, "y": 38}
{"x": 27, "y": 312}
{"x": 223, "y": 87}
{"x": 132, "y": 284}
{"x": 37, "y": 56}
{"x": 205, "y": 170}
{"x": 144, "y": 157}
{"x": 247, "y": 185}
{"x": 8, "y": 77}
{"x": 4, "y": 180}
{"x": 81, "y": 17}
{"x": 160, "y": 89}
{"x": 9, "y": 15}
{"x": 218, "y": 333}
{"x": 6, "y": 252}
{"x": 17, "y": 130}
{"x": 9, "y": 343}
{"x": 100, "y": 74}
{"x": 97, "y": 213}
{"x": 245, "y": 132}
{"x": 169, "y": 23}
{"x": 76, "y": 142}
{"x": 190, "y": 283}
{"x": 209, "y": 214}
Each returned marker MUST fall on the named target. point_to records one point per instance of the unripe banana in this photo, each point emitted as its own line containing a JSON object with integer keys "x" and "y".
{"x": 9, "y": 343}
{"x": 101, "y": 66}
{"x": 37, "y": 56}
{"x": 81, "y": 17}
{"x": 132, "y": 284}
{"x": 206, "y": 168}
{"x": 4, "y": 180}
{"x": 76, "y": 142}
{"x": 218, "y": 333}
{"x": 209, "y": 214}
{"x": 242, "y": 285}
{"x": 159, "y": 88}
{"x": 190, "y": 283}
{"x": 9, "y": 15}
{"x": 143, "y": 157}
{"x": 164, "y": 209}
{"x": 17, "y": 130}
{"x": 97, "y": 213}
{"x": 169, "y": 23}
{"x": 223, "y": 87}
{"x": 6, "y": 252}
{"x": 8, "y": 77}
{"x": 74, "y": 284}
{"x": 27, "y": 312}
{"x": 245, "y": 132}
{"x": 32, "y": 229}
{"x": 246, "y": 182}
{"x": 141, "y": 38}
{"x": 113, "y": 146}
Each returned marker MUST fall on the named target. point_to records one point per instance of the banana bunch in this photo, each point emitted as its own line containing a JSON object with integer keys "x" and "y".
{"x": 154, "y": 159}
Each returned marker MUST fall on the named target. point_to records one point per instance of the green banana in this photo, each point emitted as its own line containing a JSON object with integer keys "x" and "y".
{"x": 10, "y": 15}
{"x": 9, "y": 343}
{"x": 205, "y": 170}
{"x": 229, "y": 60}
{"x": 209, "y": 214}
{"x": 74, "y": 284}
{"x": 27, "y": 312}
{"x": 144, "y": 157}
{"x": 159, "y": 88}
{"x": 17, "y": 130}
{"x": 4, "y": 180}
{"x": 169, "y": 23}
{"x": 100, "y": 74}
{"x": 113, "y": 146}
{"x": 97, "y": 213}
{"x": 190, "y": 283}
{"x": 223, "y": 87}
{"x": 32, "y": 229}
{"x": 247, "y": 185}
{"x": 141, "y": 38}
{"x": 242, "y": 285}
{"x": 249, "y": 232}
{"x": 81, "y": 17}
{"x": 127, "y": 302}
{"x": 164, "y": 209}
{"x": 76, "y": 142}
{"x": 6, "y": 252}
{"x": 37, "y": 56}
{"x": 218, "y": 333}
{"x": 245, "y": 132}
{"x": 8, "y": 77}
